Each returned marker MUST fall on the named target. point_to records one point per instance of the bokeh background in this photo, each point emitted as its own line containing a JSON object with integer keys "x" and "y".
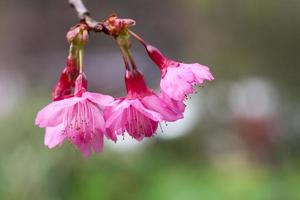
{"x": 240, "y": 137}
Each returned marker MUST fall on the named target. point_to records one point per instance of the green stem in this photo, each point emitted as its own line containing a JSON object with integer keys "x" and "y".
{"x": 80, "y": 59}
{"x": 123, "y": 52}
{"x": 125, "y": 58}
{"x": 72, "y": 51}
{"x": 129, "y": 54}
{"x": 123, "y": 41}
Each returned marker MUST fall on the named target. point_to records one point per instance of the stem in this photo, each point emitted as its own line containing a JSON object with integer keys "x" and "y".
{"x": 125, "y": 58}
{"x": 72, "y": 51}
{"x": 136, "y": 36}
{"x": 84, "y": 15}
{"x": 129, "y": 54}
{"x": 122, "y": 48}
{"x": 80, "y": 58}
{"x": 79, "y": 7}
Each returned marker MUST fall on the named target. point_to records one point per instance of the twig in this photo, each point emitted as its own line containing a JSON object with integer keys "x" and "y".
{"x": 84, "y": 15}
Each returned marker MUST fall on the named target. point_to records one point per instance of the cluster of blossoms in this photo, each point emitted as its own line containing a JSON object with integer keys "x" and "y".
{"x": 85, "y": 118}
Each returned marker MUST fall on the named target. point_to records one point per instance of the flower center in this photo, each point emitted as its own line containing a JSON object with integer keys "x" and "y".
{"x": 79, "y": 122}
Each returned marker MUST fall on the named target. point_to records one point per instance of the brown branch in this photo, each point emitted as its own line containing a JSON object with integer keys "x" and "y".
{"x": 84, "y": 15}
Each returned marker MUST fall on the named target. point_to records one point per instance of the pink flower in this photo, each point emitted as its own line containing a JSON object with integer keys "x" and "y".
{"x": 78, "y": 119}
{"x": 178, "y": 79}
{"x": 140, "y": 111}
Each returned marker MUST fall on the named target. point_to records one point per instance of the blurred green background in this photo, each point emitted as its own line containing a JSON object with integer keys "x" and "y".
{"x": 240, "y": 137}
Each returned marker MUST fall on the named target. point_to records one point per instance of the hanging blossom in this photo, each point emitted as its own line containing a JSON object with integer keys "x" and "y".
{"x": 76, "y": 115}
{"x": 78, "y": 119}
{"x": 177, "y": 79}
{"x": 142, "y": 109}
{"x": 77, "y": 36}
{"x": 85, "y": 119}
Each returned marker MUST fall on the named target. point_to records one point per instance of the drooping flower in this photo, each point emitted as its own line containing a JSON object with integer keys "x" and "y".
{"x": 140, "y": 111}
{"x": 78, "y": 119}
{"x": 77, "y": 36}
{"x": 178, "y": 79}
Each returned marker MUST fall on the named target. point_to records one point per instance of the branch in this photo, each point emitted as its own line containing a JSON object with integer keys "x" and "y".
{"x": 84, "y": 15}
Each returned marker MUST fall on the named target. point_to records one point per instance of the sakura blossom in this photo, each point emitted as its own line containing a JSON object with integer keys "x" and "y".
{"x": 77, "y": 119}
{"x": 178, "y": 79}
{"x": 140, "y": 111}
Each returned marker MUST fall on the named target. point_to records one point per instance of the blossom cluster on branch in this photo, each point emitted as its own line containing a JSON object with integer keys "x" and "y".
{"x": 86, "y": 119}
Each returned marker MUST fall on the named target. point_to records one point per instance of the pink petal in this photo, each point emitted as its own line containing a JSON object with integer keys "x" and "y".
{"x": 112, "y": 113}
{"x": 155, "y": 116}
{"x": 84, "y": 149}
{"x": 115, "y": 119}
{"x": 54, "y": 136}
{"x": 201, "y": 73}
{"x": 176, "y": 106}
{"x": 82, "y": 144}
{"x": 153, "y": 102}
{"x": 132, "y": 116}
{"x": 97, "y": 143}
{"x": 97, "y": 118}
{"x": 177, "y": 83}
{"x": 138, "y": 125}
{"x": 100, "y": 99}
{"x": 52, "y": 114}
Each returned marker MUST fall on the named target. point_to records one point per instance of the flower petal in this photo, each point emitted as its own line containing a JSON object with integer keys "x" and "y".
{"x": 168, "y": 112}
{"x": 54, "y": 136}
{"x": 201, "y": 73}
{"x": 176, "y": 106}
{"x": 115, "y": 119}
{"x": 100, "y": 99}
{"x": 138, "y": 125}
{"x": 114, "y": 111}
{"x": 82, "y": 142}
{"x": 97, "y": 118}
{"x": 132, "y": 116}
{"x": 177, "y": 83}
{"x": 155, "y": 116}
{"x": 52, "y": 114}
{"x": 97, "y": 143}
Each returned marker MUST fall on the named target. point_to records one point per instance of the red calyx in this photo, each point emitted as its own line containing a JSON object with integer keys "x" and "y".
{"x": 135, "y": 84}
{"x": 157, "y": 57}
{"x": 65, "y": 85}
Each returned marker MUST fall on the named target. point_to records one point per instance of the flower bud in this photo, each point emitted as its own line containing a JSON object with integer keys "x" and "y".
{"x": 116, "y": 26}
{"x": 78, "y": 35}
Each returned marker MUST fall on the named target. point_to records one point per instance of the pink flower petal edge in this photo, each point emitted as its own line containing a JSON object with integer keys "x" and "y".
{"x": 178, "y": 81}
